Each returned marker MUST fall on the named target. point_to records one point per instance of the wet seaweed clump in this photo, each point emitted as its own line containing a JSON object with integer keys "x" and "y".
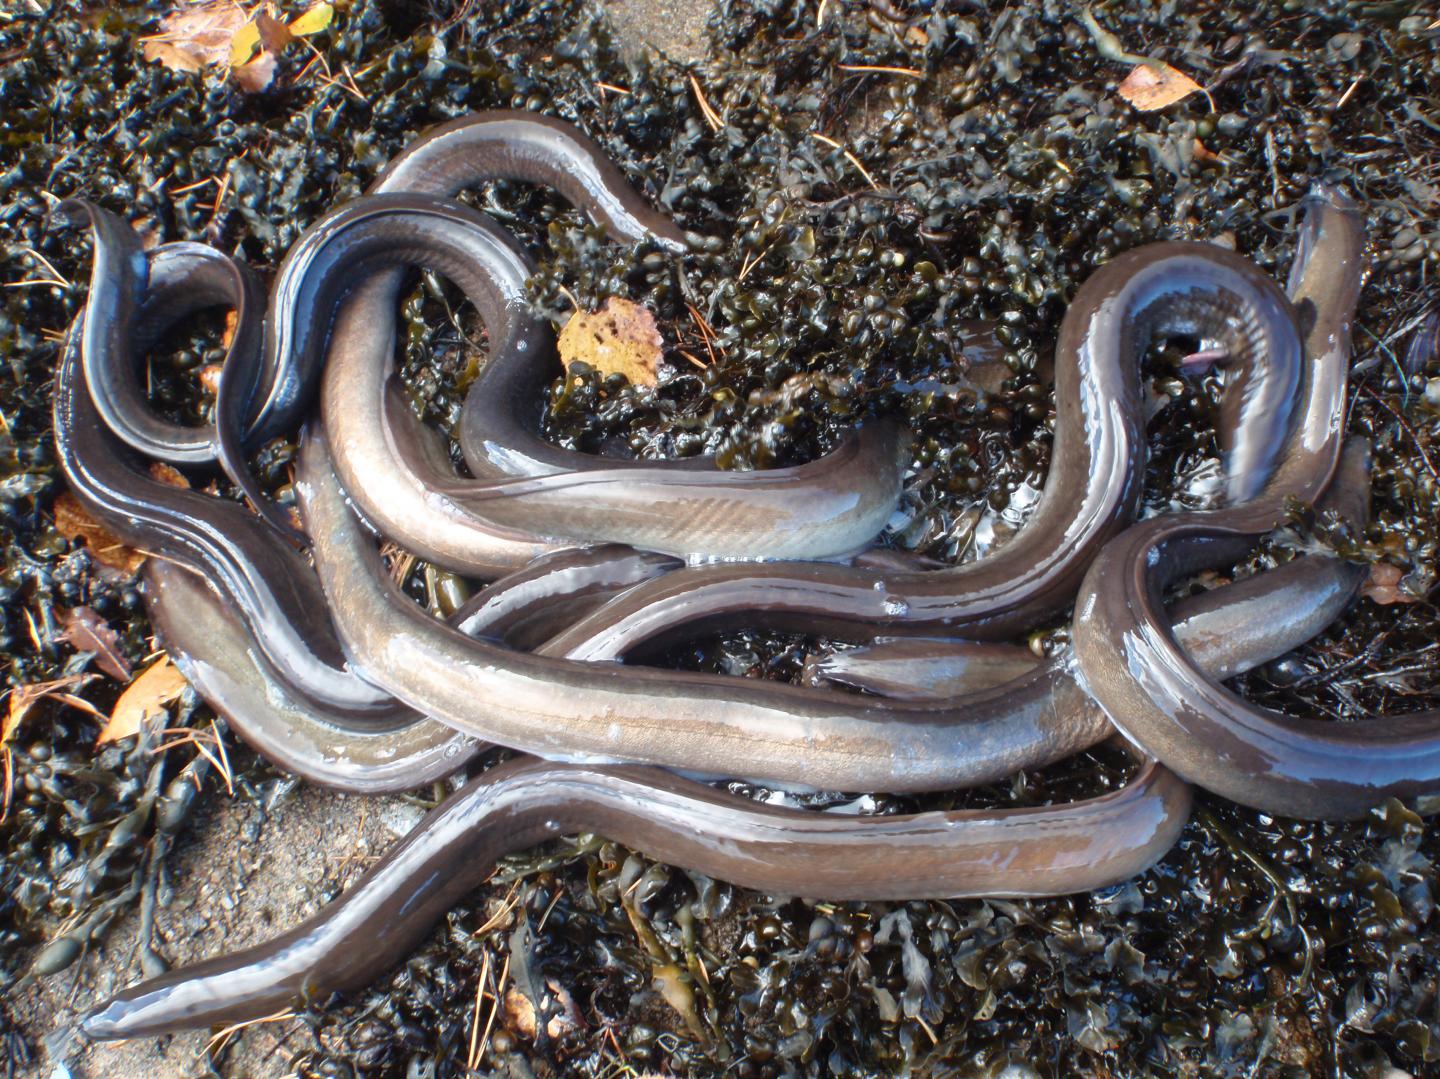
{"x": 895, "y": 201}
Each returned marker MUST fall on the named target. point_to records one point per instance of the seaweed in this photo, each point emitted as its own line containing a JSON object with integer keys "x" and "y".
{"x": 871, "y": 180}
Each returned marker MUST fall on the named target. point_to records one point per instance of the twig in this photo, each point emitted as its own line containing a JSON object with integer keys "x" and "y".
{"x": 473, "y": 1059}
{"x": 496, "y": 918}
{"x": 9, "y": 782}
{"x": 55, "y": 278}
{"x": 222, "y": 1037}
{"x": 1346, "y": 95}
{"x": 849, "y": 156}
{"x": 192, "y": 187}
{"x": 546, "y": 916}
{"x": 220, "y": 197}
{"x": 877, "y": 69}
{"x": 1405, "y": 426}
{"x": 708, "y": 337}
{"x": 494, "y": 1009}
{"x": 401, "y": 561}
{"x": 711, "y": 116}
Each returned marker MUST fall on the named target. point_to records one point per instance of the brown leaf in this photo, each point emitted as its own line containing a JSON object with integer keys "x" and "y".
{"x": 172, "y": 56}
{"x": 256, "y": 75}
{"x": 274, "y": 34}
{"x": 1155, "y": 85}
{"x": 621, "y": 338}
{"x": 1206, "y": 156}
{"x": 88, "y": 632}
{"x": 24, "y": 698}
{"x": 197, "y": 36}
{"x": 520, "y": 1013}
{"x": 1383, "y": 585}
{"x": 262, "y": 34}
{"x": 168, "y": 475}
{"x": 221, "y": 33}
{"x": 73, "y": 521}
{"x": 144, "y": 699}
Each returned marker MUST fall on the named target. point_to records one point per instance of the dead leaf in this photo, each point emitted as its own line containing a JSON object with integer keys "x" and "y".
{"x": 24, "y": 698}
{"x": 520, "y": 1013}
{"x": 73, "y": 521}
{"x": 316, "y": 18}
{"x": 168, "y": 475}
{"x": 1207, "y": 156}
{"x": 621, "y": 338}
{"x": 144, "y": 699}
{"x": 221, "y": 33}
{"x": 264, "y": 33}
{"x": 1383, "y": 585}
{"x": 172, "y": 56}
{"x": 197, "y": 36}
{"x": 1155, "y": 85}
{"x": 88, "y": 632}
{"x": 256, "y": 75}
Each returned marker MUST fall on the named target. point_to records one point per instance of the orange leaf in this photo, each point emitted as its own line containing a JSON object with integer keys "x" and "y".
{"x": 73, "y": 521}
{"x": 1155, "y": 85}
{"x": 144, "y": 699}
{"x": 168, "y": 475}
{"x": 24, "y": 698}
{"x": 1383, "y": 585}
{"x": 1207, "y": 156}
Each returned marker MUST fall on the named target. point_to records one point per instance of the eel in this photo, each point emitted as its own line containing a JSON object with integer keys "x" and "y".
{"x": 218, "y": 657}
{"x": 384, "y": 916}
{"x": 399, "y": 476}
{"x": 1092, "y": 490}
{"x": 1161, "y": 699}
{"x": 560, "y": 708}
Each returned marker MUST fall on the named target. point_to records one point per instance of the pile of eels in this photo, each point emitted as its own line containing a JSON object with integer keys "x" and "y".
{"x": 300, "y": 637}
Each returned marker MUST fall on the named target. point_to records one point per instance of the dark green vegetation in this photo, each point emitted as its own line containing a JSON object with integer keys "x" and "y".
{"x": 1002, "y": 176}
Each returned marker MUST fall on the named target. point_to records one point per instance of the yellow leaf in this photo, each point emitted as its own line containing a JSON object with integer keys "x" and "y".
{"x": 621, "y": 338}
{"x": 315, "y": 19}
{"x": 244, "y": 44}
{"x": 144, "y": 699}
{"x": 1155, "y": 85}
